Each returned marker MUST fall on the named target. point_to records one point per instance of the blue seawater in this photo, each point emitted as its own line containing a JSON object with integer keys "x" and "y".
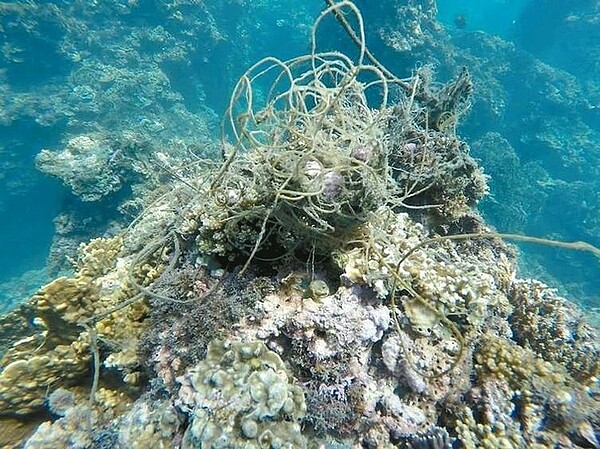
{"x": 497, "y": 17}
{"x": 133, "y": 76}
{"x": 544, "y": 171}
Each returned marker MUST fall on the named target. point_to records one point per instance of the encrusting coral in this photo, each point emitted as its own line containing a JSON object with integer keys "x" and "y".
{"x": 357, "y": 297}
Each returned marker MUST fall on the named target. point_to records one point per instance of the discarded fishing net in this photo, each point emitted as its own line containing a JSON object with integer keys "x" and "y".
{"x": 320, "y": 142}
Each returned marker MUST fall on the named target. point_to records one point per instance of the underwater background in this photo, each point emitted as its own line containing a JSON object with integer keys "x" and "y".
{"x": 135, "y": 76}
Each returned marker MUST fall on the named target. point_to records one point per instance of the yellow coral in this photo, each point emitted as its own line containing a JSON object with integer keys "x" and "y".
{"x": 474, "y": 435}
{"x": 544, "y": 402}
{"x": 98, "y": 256}
{"x": 514, "y": 363}
{"x": 46, "y": 347}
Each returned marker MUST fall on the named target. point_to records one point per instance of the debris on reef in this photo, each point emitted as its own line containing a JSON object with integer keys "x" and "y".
{"x": 292, "y": 296}
{"x": 534, "y": 122}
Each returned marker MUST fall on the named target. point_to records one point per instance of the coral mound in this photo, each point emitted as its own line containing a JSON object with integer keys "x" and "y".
{"x": 329, "y": 283}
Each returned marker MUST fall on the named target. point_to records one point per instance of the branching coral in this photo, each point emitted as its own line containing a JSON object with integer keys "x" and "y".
{"x": 555, "y": 329}
{"x": 522, "y": 400}
{"x": 444, "y": 293}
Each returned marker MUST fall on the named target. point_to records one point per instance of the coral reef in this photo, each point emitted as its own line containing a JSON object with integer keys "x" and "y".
{"x": 179, "y": 330}
{"x": 84, "y": 165}
{"x": 154, "y": 424}
{"x": 72, "y": 430}
{"x": 327, "y": 284}
{"x": 555, "y": 329}
{"x": 239, "y": 395}
{"x": 51, "y": 348}
{"x": 521, "y": 400}
{"x": 533, "y": 123}
{"x": 89, "y": 71}
{"x": 107, "y": 172}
